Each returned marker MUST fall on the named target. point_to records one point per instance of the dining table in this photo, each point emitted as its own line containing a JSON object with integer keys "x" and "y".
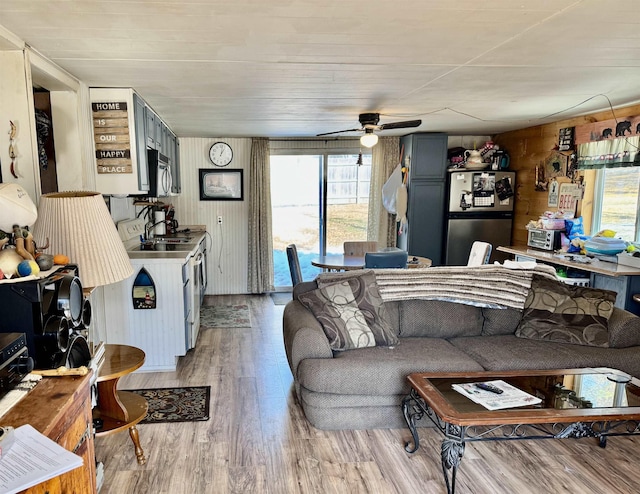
{"x": 340, "y": 262}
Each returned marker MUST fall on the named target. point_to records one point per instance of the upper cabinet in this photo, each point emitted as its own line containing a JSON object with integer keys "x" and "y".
{"x": 427, "y": 155}
{"x": 124, "y": 127}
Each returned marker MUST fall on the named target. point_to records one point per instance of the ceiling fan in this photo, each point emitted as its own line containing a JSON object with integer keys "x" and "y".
{"x": 369, "y": 122}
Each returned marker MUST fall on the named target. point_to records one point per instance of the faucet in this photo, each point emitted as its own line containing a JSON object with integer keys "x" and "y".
{"x": 148, "y": 229}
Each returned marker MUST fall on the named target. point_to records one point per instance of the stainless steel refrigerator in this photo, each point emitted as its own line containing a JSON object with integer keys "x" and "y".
{"x": 480, "y": 207}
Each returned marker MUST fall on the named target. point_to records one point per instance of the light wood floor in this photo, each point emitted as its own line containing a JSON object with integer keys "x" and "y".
{"x": 258, "y": 441}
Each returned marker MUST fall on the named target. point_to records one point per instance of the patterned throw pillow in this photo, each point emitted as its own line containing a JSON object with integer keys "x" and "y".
{"x": 555, "y": 311}
{"x": 351, "y": 313}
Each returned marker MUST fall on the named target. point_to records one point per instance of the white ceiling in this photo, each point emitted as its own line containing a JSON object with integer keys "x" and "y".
{"x": 275, "y": 68}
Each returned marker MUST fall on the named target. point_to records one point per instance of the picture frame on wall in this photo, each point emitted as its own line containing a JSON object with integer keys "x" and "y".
{"x": 221, "y": 185}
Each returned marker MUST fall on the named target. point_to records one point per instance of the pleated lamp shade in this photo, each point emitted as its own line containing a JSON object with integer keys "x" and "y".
{"x": 78, "y": 225}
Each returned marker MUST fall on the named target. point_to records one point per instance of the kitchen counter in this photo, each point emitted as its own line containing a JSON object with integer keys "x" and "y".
{"x": 178, "y": 251}
{"x": 564, "y": 259}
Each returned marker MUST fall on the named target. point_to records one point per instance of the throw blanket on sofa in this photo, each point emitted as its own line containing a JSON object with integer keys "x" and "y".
{"x": 485, "y": 286}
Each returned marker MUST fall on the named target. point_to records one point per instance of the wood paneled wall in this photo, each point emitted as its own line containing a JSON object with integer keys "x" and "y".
{"x": 528, "y": 148}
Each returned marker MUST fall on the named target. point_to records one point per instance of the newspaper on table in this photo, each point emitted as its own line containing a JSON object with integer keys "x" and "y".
{"x": 510, "y": 397}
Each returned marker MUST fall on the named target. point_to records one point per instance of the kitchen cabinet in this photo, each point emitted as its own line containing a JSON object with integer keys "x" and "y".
{"x": 164, "y": 139}
{"x": 424, "y": 229}
{"x": 174, "y": 161}
{"x": 150, "y": 128}
{"x": 120, "y": 165}
{"x": 125, "y": 126}
{"x": 158, "y": 124}
{"x": 60, "y": 408}
{"x": 169, "y": 330}
{"x": 428, "y": 156}
{"x": 161, "y": 138}
{"x": 425, "y": 155}
{"x": 141, "y": 149}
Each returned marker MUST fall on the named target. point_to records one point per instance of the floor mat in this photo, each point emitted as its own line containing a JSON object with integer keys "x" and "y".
{"x": 187, "y": 404}
{"x": 225, "y": 316}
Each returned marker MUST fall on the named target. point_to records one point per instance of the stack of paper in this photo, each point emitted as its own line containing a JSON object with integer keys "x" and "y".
{"x": 33, "y": 458}
{"x": 509, "y": 398}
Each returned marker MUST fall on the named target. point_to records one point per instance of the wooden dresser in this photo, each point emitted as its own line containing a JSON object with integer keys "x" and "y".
{"x": 60, "y": 408}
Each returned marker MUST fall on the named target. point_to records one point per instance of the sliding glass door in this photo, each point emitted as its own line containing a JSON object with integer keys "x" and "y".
{"x": 318, "y": 202}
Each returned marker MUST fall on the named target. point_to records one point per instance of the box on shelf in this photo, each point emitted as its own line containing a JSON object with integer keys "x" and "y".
{"x": 552, "y": 223}
{"x": 628, "y": 260}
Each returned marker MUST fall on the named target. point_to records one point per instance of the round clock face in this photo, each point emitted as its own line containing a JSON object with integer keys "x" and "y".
{"x": 220, "y": 154}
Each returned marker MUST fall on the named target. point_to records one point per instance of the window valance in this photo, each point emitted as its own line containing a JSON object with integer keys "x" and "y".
{"x": 608, "y": 143}
{"x": 609, "y": 153}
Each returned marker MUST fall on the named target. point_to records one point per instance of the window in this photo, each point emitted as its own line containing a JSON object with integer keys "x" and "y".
{"x": 319, "y": 200}
{"x": 616, "y": 201}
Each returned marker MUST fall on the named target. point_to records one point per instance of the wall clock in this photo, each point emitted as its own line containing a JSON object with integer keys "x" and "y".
{"x": 220, "y": 154}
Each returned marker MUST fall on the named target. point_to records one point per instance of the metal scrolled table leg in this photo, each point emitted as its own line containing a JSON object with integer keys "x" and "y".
{"x": 411, "y": 417}
{"x": 451, "y": 455}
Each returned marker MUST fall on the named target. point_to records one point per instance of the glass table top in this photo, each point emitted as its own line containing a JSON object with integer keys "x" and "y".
{"x": 596, "y": 389}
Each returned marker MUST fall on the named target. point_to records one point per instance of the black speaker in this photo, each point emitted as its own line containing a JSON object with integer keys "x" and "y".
{"x": 50, "y": 311}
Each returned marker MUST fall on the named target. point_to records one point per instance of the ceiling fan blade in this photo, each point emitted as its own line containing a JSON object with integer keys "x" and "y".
{"x": 339, "y": 132}
{"x": 401, "y": 125}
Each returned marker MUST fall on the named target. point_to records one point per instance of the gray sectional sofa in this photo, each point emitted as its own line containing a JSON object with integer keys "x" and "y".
{"x": 362, "y": 388}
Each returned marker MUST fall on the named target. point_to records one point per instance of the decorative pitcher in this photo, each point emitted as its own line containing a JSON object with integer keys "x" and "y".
{"x": 473, "y": 159}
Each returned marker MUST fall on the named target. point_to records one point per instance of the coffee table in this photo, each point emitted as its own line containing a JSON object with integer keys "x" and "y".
{"x": 576, "y": 403}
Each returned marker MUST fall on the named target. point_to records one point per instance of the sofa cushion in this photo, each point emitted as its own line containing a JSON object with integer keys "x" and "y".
{"x": 382, "y": 370}
{"x": 555, "y": 311}
{"x": 439, "y": 319}
{"x": 508, "y": 352}
{"x": 500, "y": 321}
{"x": 351, "y": 313}
{"x": 624, "y": 329}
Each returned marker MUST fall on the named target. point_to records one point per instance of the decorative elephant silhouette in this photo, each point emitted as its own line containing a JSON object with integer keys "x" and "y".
{"x": 622, "y": 127}
{"x": 606, "y": 133}
{"x": 638, "y": 129}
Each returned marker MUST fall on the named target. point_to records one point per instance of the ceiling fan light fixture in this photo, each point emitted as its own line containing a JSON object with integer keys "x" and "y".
{"x": 369, "y": 139}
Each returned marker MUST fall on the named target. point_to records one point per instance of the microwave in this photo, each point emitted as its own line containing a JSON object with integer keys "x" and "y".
{"x": 160, "y": 179}
{"x": 544, "y": 239}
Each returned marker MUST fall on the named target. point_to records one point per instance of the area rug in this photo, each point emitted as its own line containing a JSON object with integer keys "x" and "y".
{"x": 225, "y": 316}
{"x": 280, "y": 298}
{"x": 187, "y": 404}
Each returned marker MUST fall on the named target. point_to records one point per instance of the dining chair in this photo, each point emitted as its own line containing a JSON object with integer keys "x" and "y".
{"x": 359, "y": 248}
{"x": 480, "y": 253}
{"x": 294, "y": 264}
{"x": 390, "y": 259}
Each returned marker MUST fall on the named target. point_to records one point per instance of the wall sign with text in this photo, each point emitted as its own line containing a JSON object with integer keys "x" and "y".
{"x": 111, "y": 137}
{"x": 568, "y": 196}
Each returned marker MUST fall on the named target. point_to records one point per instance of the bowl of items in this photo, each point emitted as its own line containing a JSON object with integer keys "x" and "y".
{"x": 604, "y": 246}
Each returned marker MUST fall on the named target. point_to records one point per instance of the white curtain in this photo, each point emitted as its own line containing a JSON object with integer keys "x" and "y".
{"x": 382, "y": 225}
{"x": 260, "y": 278}
{"x": 609, "y": 153}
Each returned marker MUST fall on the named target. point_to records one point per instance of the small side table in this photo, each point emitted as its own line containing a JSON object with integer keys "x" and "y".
{"x": 120, "y": 410}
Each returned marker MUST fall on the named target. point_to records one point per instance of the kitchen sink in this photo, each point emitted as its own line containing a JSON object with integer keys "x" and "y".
{"x": 172, "y": 240}
{"x": 163, "y": 246}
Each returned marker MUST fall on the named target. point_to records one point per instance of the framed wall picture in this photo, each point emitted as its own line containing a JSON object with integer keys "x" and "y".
{"x": 221, "y": 185}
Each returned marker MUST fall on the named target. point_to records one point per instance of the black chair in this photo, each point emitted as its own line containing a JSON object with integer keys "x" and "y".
{"x": 390, "y": 259}
{"x": 294, "y": 264}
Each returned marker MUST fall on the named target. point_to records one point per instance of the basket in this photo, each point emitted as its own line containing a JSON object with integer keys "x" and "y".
{"x": 574, "y": 281}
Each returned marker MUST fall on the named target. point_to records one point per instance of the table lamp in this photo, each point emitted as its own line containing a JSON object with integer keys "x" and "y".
{"x": 78, "y": 225}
